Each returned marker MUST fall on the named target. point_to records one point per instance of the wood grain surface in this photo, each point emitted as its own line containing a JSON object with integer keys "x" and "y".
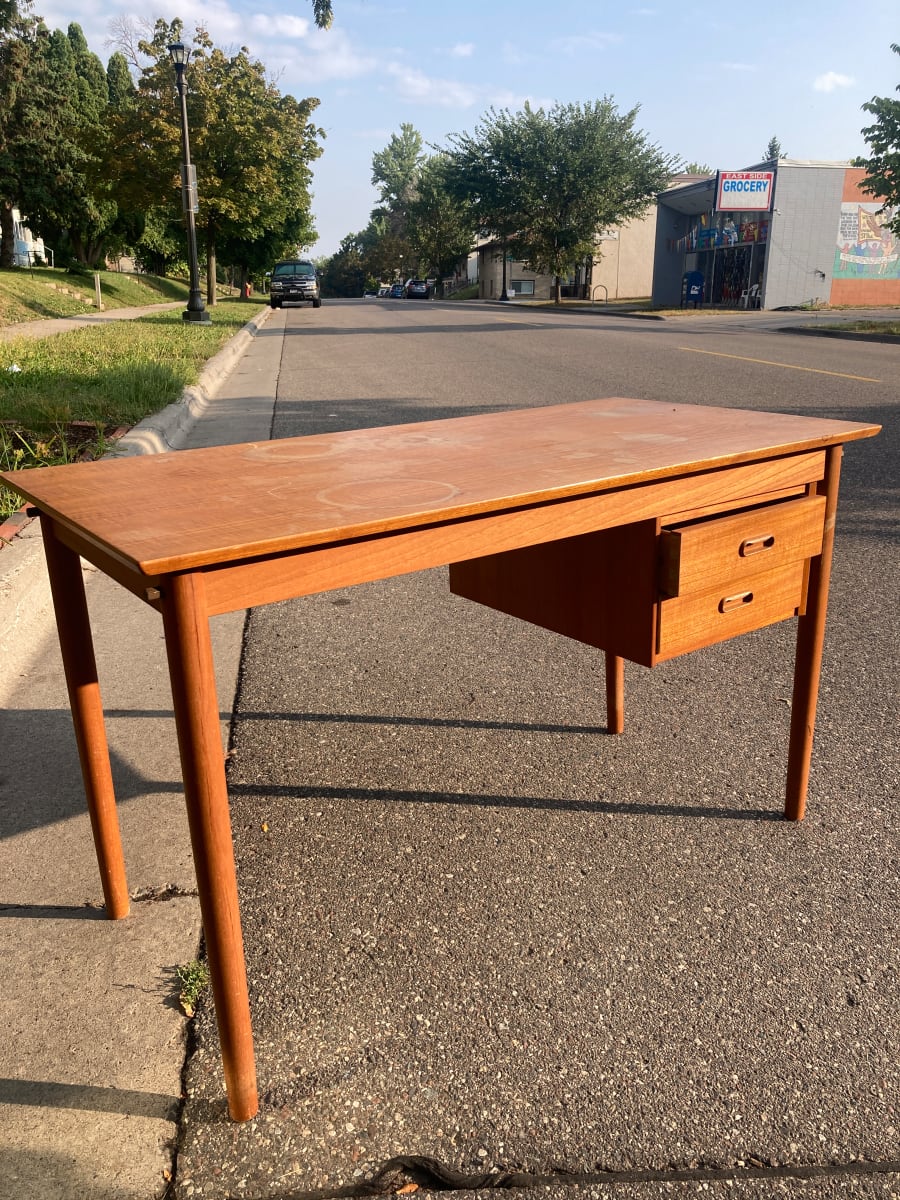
{"x": 178, "y": 511}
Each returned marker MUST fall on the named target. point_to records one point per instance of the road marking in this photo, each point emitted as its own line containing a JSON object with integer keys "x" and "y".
{"x": 786, "y": 366}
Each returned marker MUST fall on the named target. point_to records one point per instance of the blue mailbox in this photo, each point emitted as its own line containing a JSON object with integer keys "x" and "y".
{"x": 692, "y": 288}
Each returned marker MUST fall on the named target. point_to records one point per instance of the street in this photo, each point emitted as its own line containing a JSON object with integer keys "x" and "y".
{"x": 445, "y": 359}
{"x": 479, "y": 929}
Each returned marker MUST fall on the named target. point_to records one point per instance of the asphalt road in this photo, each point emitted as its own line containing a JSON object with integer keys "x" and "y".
{"x": 480, "y": 930}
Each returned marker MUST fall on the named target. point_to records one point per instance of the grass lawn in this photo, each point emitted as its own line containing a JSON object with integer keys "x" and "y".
{"x": 32, "y": 294}
{"x": 891, "y": 327}
{"x": 72, "y": 390}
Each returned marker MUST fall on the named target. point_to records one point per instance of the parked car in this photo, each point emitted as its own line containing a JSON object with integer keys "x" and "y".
{"x": 294, "y": 281}
{"x": 419, "y": 289}
{"x": 398, "y": 291}
{"x": 384, "y": 289}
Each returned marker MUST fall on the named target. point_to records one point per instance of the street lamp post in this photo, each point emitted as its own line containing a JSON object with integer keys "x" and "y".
{"x": 504, "y": 294}
{"x": 196, "y": 310}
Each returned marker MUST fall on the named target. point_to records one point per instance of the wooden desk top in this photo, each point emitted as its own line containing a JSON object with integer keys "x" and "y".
{"x": 178, "y": 511}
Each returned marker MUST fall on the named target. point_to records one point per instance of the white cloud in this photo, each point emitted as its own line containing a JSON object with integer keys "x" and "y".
{"x": 463, "y": 50}
{"x": 515, "y": 101}
{"x": 279, "y": 25}
{"x": 413, "y": 84}
{"x": 831, "y": 80}
{"x": 324, "y": 57}
{"x": 578, "y": 43}
{"x": 514, "y": 55}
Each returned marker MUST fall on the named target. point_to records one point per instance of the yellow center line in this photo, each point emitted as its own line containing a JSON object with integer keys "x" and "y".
{"x": 786, "y": 366}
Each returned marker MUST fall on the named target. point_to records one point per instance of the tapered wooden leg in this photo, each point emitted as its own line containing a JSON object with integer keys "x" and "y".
{"x": 615, "y": 693}
{"x": 203, "y": 769}
{"x": 808, "y": 662}
{"x": 73, "y": 625}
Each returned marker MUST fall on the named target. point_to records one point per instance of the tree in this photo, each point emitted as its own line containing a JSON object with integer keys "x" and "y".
{"x": 8, "y": 11}
{"x": 54, "y": 126}
{"x": 345, "y": 273}
{"x": 440, "y": 228}
{"x": 119, "y": 84}
{"x": 383, "y": 251}
{"x": 252, "y": 148}
{"x": 39, "y": 154}
{"x": 480, "y": 171}
{"x": 546, "y": 183}
{"x": 882, "y": 167}
{"x": 395, "y": 168}
{"x": 322, "y": 11}
{"x": 773, "y": 151}
{"x": 697, "y": 168}
{"x": 14, "y": 65}
{"x": 81, "y": 216}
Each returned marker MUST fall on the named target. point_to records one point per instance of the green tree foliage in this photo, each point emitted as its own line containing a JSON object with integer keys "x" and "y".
{"x": 697, "y": 168}
{"x": 773, "y": 151}
{"x": 8, "y": 12}
{"x": 83, "y": 219}
{"x": 39, "y": 153}
{"x": 395, "y": 168}
{"x": 64, "y": 123}
{"x": 345, "y": 273}
{"x": 322, "y": 11}
{"x": 252, "y": 148}
{"x": 119, "y": 84}
{"x": 547, "y": 182}
{"x": 14, "y": 63}
{"x": 883, "y": 164}
{"x": 418, "y": 228}
{"x": 440, "y": 227}
{"x": 161, "y": 245}
{"x": 54, "y": 134}
{"x": 384, "y": 252}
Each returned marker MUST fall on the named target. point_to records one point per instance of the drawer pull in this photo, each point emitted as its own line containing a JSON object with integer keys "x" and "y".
{"x": 757, "y": 544}
{"x": 729, "y": 603}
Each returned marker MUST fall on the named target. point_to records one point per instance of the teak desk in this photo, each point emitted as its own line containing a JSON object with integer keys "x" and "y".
{"x": 645, "y": 529}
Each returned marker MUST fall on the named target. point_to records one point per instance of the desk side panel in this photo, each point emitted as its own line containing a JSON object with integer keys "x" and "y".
{"x": 599, "y": 588}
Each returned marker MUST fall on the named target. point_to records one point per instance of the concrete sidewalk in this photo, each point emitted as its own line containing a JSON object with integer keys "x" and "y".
{"x": 91, "y": 1060}
{"x": 53, "y": 325}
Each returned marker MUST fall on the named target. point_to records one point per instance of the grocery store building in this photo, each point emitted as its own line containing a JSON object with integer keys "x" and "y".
{"x": 776, "y": 235}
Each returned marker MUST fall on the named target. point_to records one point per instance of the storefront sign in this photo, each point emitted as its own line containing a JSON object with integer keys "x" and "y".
{"x": 744, "y": 191}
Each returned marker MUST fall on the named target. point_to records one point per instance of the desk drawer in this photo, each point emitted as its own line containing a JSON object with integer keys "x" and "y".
{"x": 693, "y": 557}
{"x": 726, "y": 610}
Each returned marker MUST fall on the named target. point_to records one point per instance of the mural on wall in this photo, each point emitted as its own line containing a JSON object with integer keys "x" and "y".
{"x": 866, "y": 248}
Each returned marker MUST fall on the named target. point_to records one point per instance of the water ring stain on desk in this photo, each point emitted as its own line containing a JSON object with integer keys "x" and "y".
{"x": 290, "y": 449}
{"x": 394, "y": 493}
{"x": 652, "y": 438}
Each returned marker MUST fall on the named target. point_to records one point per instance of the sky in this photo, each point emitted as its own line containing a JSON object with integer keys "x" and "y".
{"x": 714, "y": 82}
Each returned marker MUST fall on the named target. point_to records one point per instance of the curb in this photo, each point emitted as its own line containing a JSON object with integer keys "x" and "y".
{"x": 850, "y": 335}
{"x": 13, "y": 525}
{"x": 164, "y": 430}
{"x": 581, "y": 310}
